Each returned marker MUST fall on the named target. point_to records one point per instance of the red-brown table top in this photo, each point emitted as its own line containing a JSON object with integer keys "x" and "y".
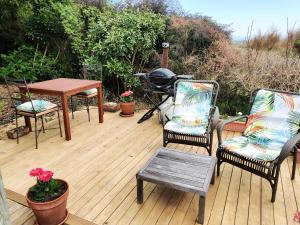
{"x": 63, "y": 85}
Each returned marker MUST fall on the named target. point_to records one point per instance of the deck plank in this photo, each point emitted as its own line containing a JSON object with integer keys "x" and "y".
{"x": 100, "y": 164}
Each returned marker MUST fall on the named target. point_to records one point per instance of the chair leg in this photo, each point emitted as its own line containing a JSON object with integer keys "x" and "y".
{"x": 88, "y": 108}
{"x": 36, "y": 133}
{"x": 274, "y": 186}
{"x": 274, "y": 190}
{"x": 210, "y": 143}
{"x": 59, "y": 123}
{"x": 17, "y": 128}
{"x": 43, "y": 127}
{"x": 72, "y": 107}
{"x": 294, "y": 164}
{"x": 218, "y": 167}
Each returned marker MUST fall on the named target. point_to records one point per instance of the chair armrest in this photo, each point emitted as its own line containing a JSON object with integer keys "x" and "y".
{"x": 288, "y": 147}
{"x": 215, "y": 118}
{"x": 222, "y": 124}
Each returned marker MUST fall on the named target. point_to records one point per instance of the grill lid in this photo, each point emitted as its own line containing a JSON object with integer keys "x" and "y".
{"x": 161, "y": 76}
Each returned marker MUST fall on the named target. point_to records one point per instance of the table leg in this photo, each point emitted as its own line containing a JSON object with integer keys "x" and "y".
{"x": 27, "y": 119}
{"x": 65, "y": 109}
{"x": 100, "y": 103}
{"x": 213, "y": 178}
{"x": 139, "y": 188}
{"x": 201, "y": 209}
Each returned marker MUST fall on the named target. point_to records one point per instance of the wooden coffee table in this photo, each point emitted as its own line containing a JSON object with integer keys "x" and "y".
{"x": 183, "y": 171}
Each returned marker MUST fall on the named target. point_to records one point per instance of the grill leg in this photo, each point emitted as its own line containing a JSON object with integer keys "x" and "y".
{"x": 149, "y": 114}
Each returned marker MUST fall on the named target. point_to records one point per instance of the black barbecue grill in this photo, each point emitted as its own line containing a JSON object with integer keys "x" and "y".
{"x": 160, "y": 81}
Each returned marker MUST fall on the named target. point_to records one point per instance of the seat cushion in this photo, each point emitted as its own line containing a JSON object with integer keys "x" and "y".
{"x": 274, "y": 119}
{"x": 89, "y": 92}
{"x": 185, "y": 129}
{"x": 38, "y": 105}
{"x": 192, "y": 104}
{"x": 246, "y": 147}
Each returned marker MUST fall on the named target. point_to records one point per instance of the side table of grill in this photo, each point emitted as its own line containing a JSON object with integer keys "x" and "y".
{"x": 183, "y": 171}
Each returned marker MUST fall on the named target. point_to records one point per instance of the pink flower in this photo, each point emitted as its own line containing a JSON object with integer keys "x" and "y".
{"x": 297, "y": 217}
{"x": 126, "y": 93}
{"x": 36, "y": 172}
{"x": 46, "y": 176}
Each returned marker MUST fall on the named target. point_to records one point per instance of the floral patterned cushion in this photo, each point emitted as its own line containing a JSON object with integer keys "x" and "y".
{"x": 192, "y": 106}
{"x": 178, "y": 128}
{"x": 274, "y": 119}
{"x": 245, "y": 146}
{"x": 89, "y": 92}
{"x": 38, "y": 105}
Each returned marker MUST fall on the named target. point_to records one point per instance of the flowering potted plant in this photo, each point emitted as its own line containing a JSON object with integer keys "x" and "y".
{"x": 48, "y": 198}
{"x": 236, "y": 126}
{"x": 297, "y": 217}
{"x": 127, "y": 104}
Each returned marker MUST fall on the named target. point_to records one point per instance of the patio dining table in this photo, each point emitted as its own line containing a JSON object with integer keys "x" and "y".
{"x": 64, "y": 88}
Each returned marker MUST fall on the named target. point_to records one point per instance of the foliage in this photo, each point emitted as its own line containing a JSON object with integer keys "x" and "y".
{"x": 46, "y": 188}
{"x": 29, "y": 63}
{"x": 297, "y": 45}
{"x": 1, "y": 105}
{"x": 190, "y": 38}
{"x": 123, "y": 41}
{"x": 163, "y": 7}
{"x": 13, "y": 17}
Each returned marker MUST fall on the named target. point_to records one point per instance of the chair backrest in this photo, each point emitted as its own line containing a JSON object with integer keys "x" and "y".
{"x": 274, "y": 116}
{"x": 15, "y": 96}
{"x": 194, "y": 101}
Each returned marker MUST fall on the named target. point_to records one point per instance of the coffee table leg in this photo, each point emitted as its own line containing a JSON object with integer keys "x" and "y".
{"x": 139, "y": 188}
{"x": 213, "y": 178}
{"x": 201, "y": 209}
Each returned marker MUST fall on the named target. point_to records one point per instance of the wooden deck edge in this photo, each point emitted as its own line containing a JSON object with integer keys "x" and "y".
{"x": 20, "y": 199}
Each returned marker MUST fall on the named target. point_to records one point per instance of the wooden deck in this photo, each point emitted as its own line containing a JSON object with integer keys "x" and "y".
{"x": 100, "y": 164}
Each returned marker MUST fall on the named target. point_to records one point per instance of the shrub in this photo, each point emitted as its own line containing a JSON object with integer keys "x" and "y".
{"x": 297, "y": 45}
{"x": 28, "y": 63}
{"x": 122, "y": 42}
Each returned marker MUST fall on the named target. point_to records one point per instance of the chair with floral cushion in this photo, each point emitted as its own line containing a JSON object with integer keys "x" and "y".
{"x": 272, "y": 132}
{"x": 87, "y": 95}
{"x": 195, "y": 114}
{"x": 36, "y": 109}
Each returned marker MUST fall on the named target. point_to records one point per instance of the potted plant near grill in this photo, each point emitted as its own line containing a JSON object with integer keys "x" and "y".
{"x": 48, "y": 198}
{"x": 127, "y": 104}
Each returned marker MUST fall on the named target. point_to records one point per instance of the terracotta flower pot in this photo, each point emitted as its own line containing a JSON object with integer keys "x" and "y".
{"x": 235, "y": 126}
{"x": 127, "y": 108}
{"x": 50, "y": 213}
